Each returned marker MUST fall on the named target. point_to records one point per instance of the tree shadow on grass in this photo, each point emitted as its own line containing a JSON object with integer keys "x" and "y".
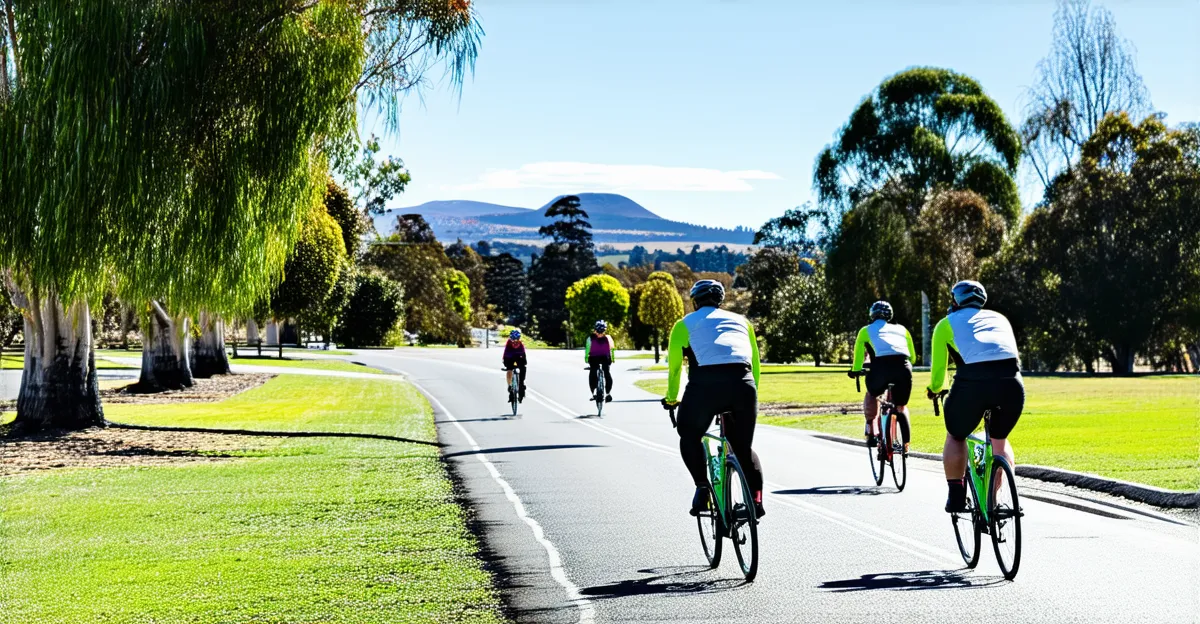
{"x": 913, "y": 581}
{"x": 280, "y": 434}
{"x": 146, "y": 451}
{"x": 682, "y": 580}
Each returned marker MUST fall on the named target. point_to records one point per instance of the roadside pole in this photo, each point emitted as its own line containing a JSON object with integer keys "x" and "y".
{"x": 926, "y": 343}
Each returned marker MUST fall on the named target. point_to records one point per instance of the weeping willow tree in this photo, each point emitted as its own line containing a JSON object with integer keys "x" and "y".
{"x": 399, "y": 42}
{"x": 171, "y": 148}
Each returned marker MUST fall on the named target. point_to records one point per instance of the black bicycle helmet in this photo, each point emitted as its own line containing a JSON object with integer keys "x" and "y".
{"x": 968, "y": 294}
{"x": 707, "y": 293}
{"x": 601, "y": 327}
{"x": 881, "y": 310}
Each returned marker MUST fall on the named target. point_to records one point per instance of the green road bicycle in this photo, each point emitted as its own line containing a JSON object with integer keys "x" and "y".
{"x": 890, "y": 450}
{"x": 730, "y": 513}
{"x": 989, "y": 477}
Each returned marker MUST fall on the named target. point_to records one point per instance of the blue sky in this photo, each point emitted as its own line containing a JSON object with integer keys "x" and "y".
{"x": 713, "y": 112}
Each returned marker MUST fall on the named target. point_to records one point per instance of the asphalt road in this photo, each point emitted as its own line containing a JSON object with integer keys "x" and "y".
{"x": 585, "y": 520}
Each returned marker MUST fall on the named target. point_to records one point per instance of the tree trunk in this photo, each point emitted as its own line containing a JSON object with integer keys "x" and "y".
{"x": 208, "y": 351}
{"x": 1121, "y": 358}
{"x": 252, "y": 332}
{"x": 273, "y": 333}
{"x": 656, "y": 345}
{"x": 165, "y": 359}
{"x": 58, "y": 386}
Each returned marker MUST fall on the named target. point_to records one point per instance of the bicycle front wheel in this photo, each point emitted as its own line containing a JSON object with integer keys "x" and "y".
{"x": 1005, "y": 516}
{"x": 966, "y": 528}
{"x": 899, "y": 458}
{"x": 708, "y": 522}
{"x": 743, "y": 530}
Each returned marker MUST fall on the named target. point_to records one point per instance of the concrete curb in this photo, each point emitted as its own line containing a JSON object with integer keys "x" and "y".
{"x": 1147, "y": 494}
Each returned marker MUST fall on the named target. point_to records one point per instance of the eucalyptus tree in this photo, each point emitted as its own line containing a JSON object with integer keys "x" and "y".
{"x": 922, "y": 129}
{"x": 172, "y": 148}
{"x": 1114, "y": 254}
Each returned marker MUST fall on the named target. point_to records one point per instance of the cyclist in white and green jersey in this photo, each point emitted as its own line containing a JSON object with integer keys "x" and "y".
{"x": 987, "y": 379}
{"x": 891, "y": 349}
{"x": 722, "y": 356}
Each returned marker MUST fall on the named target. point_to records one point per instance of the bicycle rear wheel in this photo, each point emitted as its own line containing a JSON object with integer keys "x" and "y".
{"x": 876, "y": 460}
{"x": 600, "y": 390}
{"x": 899, "y": 459}
{"x": 515, "y": 389}
{"x": 966, "y": 528}
{"x": 744, "y": 530}
{"x": 1005, "y": 515}
{"x": 708, "y": 522}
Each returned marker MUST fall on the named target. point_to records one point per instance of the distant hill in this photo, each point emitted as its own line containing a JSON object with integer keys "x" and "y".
{"x": 607, "y": 204}
{"x": 614, "y": 218}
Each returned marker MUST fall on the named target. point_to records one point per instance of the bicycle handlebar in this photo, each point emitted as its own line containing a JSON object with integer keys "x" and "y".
{"x": 671, "y": 410}
{"x": 937, "y": 402}
{"x": 857, "y": 377}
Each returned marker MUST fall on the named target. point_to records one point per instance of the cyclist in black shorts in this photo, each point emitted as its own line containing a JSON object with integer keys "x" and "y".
{"x": 988, "y": 378}
{"x": 891, "y": 349}
{"x": 721, "y": 352}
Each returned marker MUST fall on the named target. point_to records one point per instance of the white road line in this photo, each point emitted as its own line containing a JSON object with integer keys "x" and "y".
{"x": 587, "y": 612}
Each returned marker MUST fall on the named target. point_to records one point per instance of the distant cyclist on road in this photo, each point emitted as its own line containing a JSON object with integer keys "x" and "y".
{"x": 891, "y": 349}
{"x": 599, "y": 353}
{"x": 722, "y": 355}
{"x": 514, "y": 357}
{"x": 988, "y": 378}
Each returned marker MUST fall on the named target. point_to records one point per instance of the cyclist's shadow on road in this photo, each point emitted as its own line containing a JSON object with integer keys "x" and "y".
{"x": 913, "y": 581}
{"x": 836, "y": 490}
{"x": 665, "y": 581}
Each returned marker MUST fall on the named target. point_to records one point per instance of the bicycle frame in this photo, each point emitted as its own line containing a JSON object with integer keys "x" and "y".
{"x": 979, "y": 466}
{"x": 887, "y": 412}
{"x": 979, "y": 461}
{"x": 717, "y": 472}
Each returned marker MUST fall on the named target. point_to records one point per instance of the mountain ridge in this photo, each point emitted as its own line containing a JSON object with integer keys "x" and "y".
{"x": 614, "y": 218}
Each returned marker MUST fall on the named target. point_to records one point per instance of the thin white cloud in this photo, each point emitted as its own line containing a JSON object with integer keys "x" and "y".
{"x": 582, "y": 177}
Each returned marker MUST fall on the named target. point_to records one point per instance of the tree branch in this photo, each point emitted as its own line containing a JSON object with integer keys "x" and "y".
{"x": 164, "y": 319}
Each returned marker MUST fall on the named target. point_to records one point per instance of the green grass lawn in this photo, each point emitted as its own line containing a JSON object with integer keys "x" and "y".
{"x": 1142, "y": 429}
{"x": 329, "y": 365}
{"x": 16, "y": 361}
{"x": 298, "y": 530}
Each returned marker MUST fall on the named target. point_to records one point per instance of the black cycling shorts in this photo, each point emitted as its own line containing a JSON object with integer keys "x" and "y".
{"x": 970, "y": 398}
{"x": 890, "y": 369}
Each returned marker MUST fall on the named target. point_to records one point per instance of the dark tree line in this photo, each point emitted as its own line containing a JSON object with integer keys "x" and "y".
{"x": 718, "y": 258}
